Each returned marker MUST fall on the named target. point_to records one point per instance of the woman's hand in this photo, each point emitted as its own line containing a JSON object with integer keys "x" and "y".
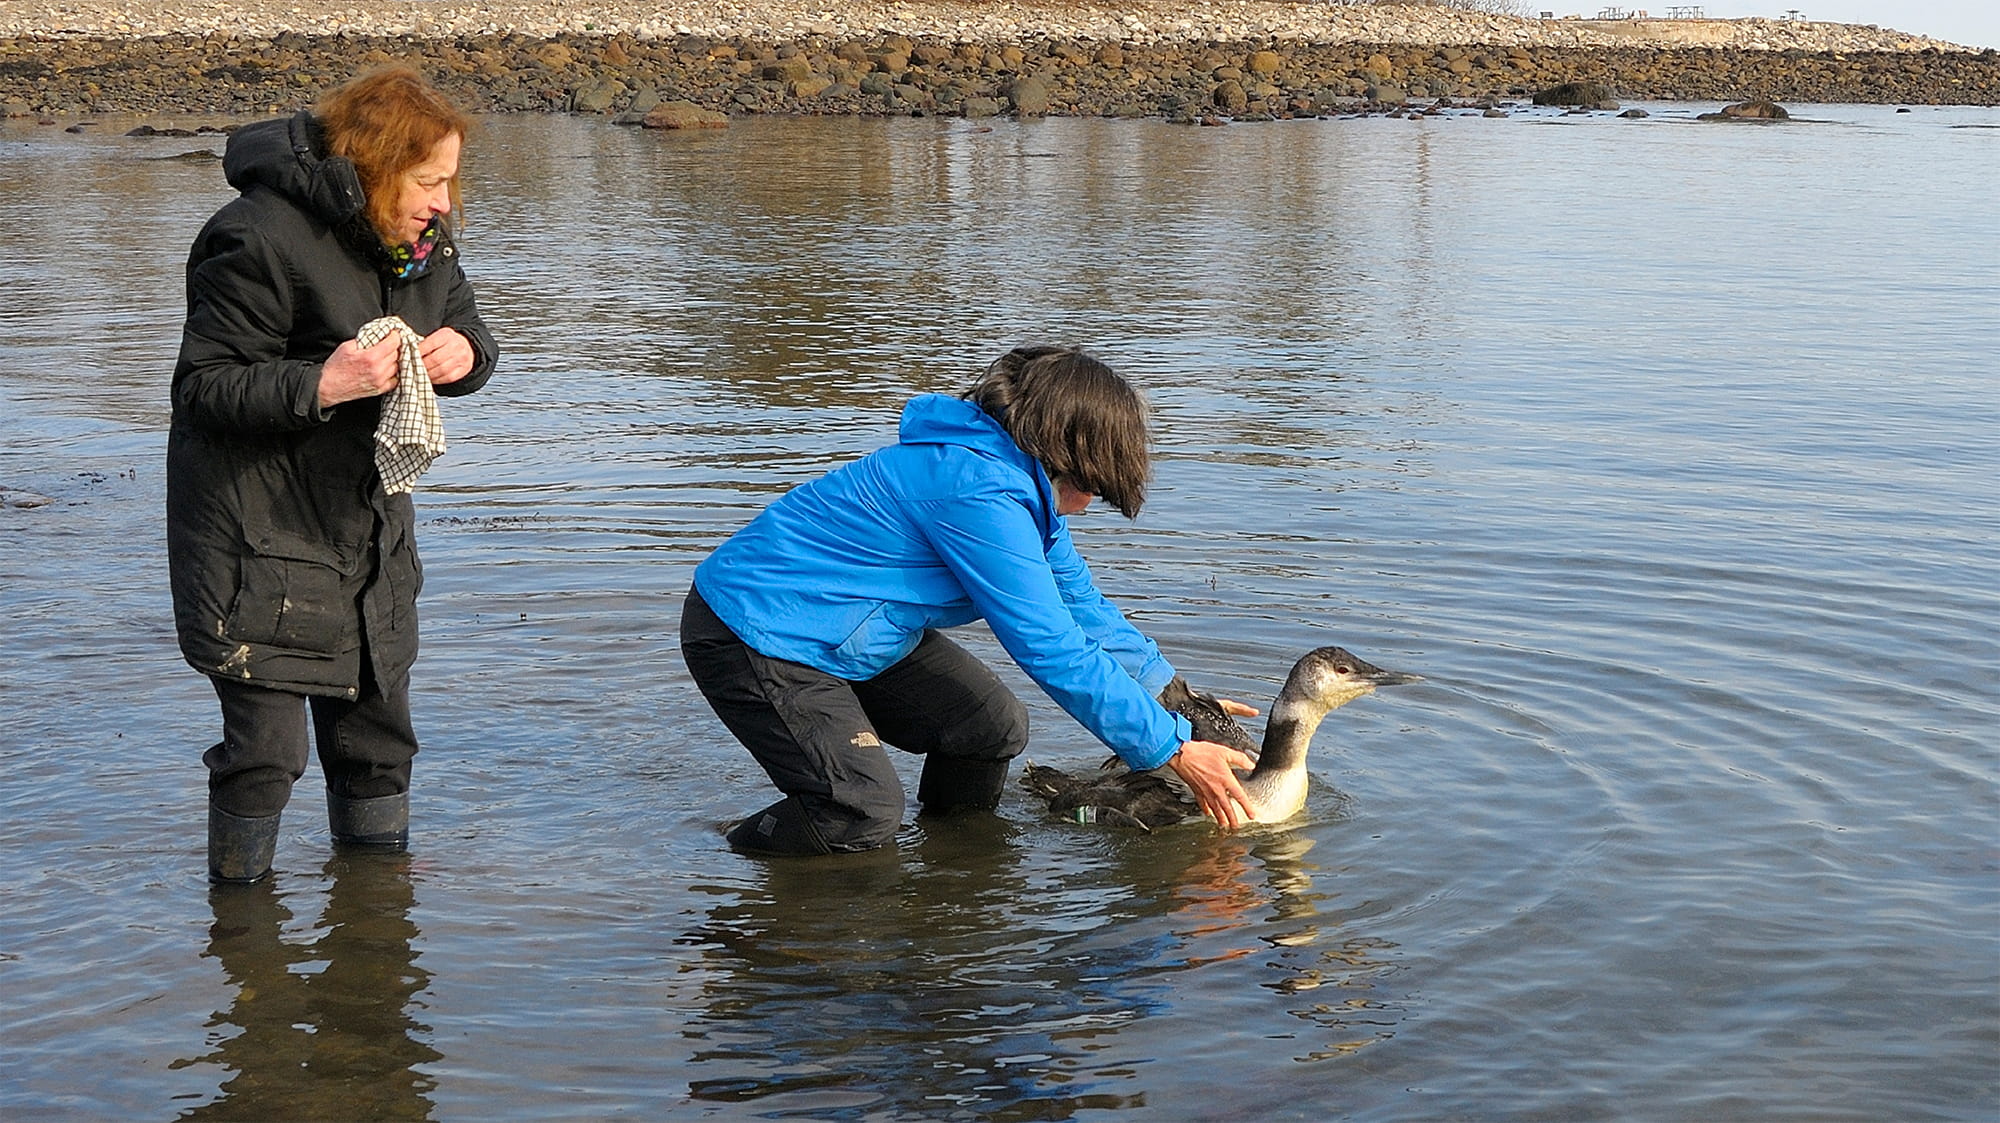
{"x": 351, "y": 372}
{"x": 1208, "y": 769}
{"x": 447, "y": 356}
{"x": 1234, "y": 708}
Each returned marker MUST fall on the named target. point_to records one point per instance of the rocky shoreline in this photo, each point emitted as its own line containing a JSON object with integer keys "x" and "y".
{"x": 1237, "y": 59}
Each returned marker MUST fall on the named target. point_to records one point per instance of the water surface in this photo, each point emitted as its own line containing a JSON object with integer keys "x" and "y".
{"x": 1664, "y": 451}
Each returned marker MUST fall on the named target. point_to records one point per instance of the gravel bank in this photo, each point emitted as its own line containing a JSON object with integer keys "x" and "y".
{"x": 1233, "y": 58}
{"x": 1138, "y": 22}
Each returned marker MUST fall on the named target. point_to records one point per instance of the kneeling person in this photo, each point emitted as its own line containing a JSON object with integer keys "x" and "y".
{"x": 815, "y": 631}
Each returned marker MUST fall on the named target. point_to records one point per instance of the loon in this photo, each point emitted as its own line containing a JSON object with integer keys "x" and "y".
{"x": 1321, "y": 681}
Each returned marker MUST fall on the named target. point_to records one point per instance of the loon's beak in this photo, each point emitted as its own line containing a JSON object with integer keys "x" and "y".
{"x": 1380, "y": 677}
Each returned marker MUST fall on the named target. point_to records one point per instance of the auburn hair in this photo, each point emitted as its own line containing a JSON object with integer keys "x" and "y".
{"x": 1083, "y": 423}
{"x": 387, "y": 122}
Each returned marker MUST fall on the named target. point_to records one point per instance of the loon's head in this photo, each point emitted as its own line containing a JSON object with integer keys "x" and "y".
{"x": 1335, "y": 676}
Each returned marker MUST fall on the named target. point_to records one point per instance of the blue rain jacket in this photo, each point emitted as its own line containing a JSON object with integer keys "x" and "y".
{"x": 952, "y": 524}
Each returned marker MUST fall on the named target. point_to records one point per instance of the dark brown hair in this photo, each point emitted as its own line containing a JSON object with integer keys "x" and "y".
{"x": 387, "y": 122}
{"x": 1083, "y": 423}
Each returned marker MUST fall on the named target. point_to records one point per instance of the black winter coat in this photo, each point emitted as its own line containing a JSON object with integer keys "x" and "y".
{"x": 287, "y": 557}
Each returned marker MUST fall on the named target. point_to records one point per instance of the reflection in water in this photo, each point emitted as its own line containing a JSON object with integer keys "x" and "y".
{"x": 1313, "y": 954}
{"x": 321, "y": 1025}
{"x": 989, "y": 980}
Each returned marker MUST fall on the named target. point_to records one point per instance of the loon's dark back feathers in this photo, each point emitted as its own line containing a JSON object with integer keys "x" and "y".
{"x": 1322, "y": 680}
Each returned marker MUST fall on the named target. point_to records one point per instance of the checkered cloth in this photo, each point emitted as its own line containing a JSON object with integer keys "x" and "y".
{"x": 410, "y": 434}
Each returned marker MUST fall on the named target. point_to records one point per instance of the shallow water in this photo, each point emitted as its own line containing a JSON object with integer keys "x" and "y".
{"x": 1665, "y": 452}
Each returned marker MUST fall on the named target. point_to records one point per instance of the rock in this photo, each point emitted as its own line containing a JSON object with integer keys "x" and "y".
{"x": 1585, "y": 95}
{"x": 1229, "y": 97}
{"x": 793, "y": 69}
{"x": 684, "y": 115}
{"x": 1387, "y": 95}
{"x": 1029, "y": 97}
{"x": 10, "y": 498}
{"x": 981, "y": 107}
{"x": 1635, "y": 114}
{"x": 596, "y": 96}
{"x": 1756, "y": 109}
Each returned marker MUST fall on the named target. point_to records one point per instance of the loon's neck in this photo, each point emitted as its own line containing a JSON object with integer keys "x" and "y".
{"x": 1287, "y": 736}
{"x": 1277, "y": 786}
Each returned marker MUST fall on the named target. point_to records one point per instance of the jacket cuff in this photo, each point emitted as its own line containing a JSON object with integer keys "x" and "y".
{"x": 309, "y": 405}
{"x": 1160, "y": 754}
{"x": 1156, "y": 674}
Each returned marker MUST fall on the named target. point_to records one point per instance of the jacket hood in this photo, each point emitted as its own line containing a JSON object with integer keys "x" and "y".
{"x": 289, "y": 157}
{"x": 938, "y": 419}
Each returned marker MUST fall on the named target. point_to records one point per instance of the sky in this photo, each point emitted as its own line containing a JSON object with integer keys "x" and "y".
{"x": 1969, "y": 23}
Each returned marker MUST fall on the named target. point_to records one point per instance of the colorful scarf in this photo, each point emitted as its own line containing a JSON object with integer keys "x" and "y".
{"x": 412, "y": 260}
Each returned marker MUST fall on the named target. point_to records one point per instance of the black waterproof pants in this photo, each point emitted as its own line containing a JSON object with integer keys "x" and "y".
{"x": 365, "y": 746}
{"x": 820, "y": 737}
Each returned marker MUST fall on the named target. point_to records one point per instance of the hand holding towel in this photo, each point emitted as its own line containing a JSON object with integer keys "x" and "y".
{"x": 411, "y": 433}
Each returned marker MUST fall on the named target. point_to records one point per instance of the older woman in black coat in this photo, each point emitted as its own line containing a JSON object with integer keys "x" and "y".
{"x": 294, "y": 569}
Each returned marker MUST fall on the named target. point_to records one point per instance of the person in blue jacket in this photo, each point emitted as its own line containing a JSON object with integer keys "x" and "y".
{"x": 815, "y": 631}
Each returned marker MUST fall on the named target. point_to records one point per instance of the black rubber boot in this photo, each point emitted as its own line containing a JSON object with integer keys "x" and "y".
{"x": 240, "y": 849}
{"x": 383, "y": 821}
{"x": 781, "y": 828}
{"x": 954, "y": 783}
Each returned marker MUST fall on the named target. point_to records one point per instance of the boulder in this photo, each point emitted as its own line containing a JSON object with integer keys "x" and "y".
{"x": 1756, "y": 109}
{"x": 684, "y": 115}
{"x": 596, "y": 96}
{"x": 9, "y": 498}
{"x": 644, "y": 101}
{"x": 791, "y": 69}
{"x": 1029, "y": 97}
{"x": 1584, "y": 95}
